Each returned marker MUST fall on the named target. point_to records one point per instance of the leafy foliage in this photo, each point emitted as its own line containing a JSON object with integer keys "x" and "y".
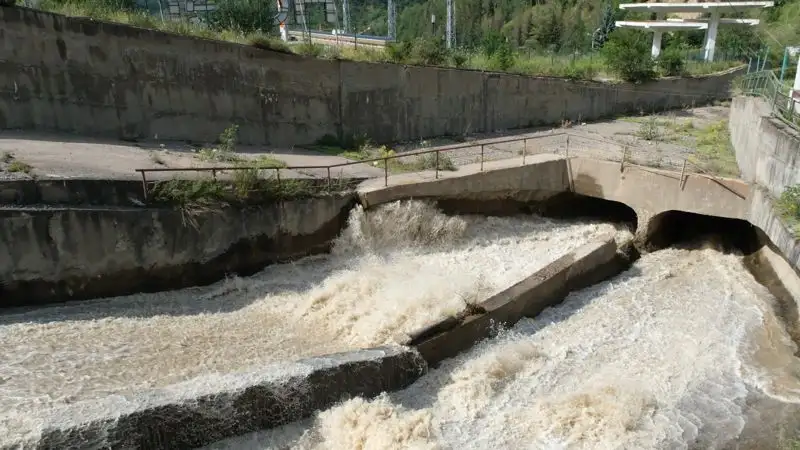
{"x": 627, "y": 53}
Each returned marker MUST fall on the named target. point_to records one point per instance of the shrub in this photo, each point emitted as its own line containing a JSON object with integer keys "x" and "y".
{"x": 670, "y": 62}
{"x": 246, "y": 16}
{"x": 502, "y": 59}
{"x": 627, "y": 54}
{"x": 431, "y": 52}
{"x": 310, "y": 49}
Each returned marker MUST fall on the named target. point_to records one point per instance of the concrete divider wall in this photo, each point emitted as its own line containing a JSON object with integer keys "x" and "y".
{"x": 72, "y": 192}
{"x": 82, "y": 76}
{"x": 205, "y": 410}
{"x": 585, "y": 266}
{"x": 58, "y": 254}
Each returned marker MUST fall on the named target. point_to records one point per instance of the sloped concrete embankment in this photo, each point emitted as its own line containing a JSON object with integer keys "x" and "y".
{"x": 82, "y": 76}
{"x": 207, "y": 409}
{"x": 53, "y": 254}
{"x": 768, "y": 154}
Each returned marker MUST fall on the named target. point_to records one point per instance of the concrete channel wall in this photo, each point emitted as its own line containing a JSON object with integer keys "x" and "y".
{"x": 768, "y": 154}
{"x": 99, "y": 79}
{"x": 55, "y": 254}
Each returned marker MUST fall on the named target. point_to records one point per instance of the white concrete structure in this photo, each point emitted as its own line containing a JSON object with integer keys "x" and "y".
{"x": 711, "y": 25}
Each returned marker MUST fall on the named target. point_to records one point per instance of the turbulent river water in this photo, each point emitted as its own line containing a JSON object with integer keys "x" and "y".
{"x": 671, "y": 354}
{"x": 391, "y": 271}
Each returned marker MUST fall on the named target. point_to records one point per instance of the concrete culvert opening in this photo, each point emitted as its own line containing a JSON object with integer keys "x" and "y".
{"x": 690, "y": 230}
{"x": 568, "y": 205}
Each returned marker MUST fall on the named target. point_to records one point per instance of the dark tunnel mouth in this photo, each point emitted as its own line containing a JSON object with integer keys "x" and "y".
{"x": 569, "y": 205}
{"x": 689, "y": 230}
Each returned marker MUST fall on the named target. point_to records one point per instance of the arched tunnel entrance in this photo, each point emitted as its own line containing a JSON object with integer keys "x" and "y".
{"x": 691, "y": 230}
{"x": 568, "y": 205}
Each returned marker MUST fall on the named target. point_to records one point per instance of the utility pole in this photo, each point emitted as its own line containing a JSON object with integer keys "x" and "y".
{"x": 392, "y": 25}
{"x": 346, "y": 15}
{"x": 449, "y": 25}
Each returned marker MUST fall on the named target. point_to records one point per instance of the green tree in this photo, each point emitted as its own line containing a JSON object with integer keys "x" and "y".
{"x": 627, "y": 53}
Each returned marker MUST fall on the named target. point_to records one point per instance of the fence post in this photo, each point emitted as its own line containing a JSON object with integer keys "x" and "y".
{"x": 144, "y": 185}
{"x": 683, "y": 171}
{"x": 214, "y": 174}
{"x": 622, "y": 161}
{"x": 481, "y": 157}
{"x": 385, "y": 172}
{"x": 329, "y": 179}
{"x": 278, "y": 177}
{"x": 524, "y": 150}
{"x": 567, "y": 146}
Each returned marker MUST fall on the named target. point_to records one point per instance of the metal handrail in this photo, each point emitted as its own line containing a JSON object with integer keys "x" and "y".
{"x": 765, "y": 84}
{"x": 384, "y": 159}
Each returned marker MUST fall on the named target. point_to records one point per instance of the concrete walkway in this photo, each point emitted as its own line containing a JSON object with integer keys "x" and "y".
{"x": 64, "y": 156}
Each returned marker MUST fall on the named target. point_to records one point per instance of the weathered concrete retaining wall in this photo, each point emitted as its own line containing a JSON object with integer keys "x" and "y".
{"x": 56, "y": 254}
{"x": 72, "y": 192}
{"x": 767, "y": 150}
{"x": 82, "y": 76}
{"x": 585, "y": 266}
{"x": 768, "y": 154}
{"x": 200, "y": 412}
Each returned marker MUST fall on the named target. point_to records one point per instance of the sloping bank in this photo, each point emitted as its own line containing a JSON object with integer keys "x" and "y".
{"x": 206, "y": 409}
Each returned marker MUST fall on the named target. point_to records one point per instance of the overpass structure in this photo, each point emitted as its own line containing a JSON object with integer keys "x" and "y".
{"x": 711, "y": 24}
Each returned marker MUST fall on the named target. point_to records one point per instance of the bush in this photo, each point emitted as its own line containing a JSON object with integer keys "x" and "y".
{"x": 398, "y": 52}
{"x": 627, "y": 54}
{"x": 246, "y": 16}
{"x": 430, "y": 52}
{"x": 310, "y": 49}
{"x": 502, "y": 59}
{"x": 671, "y": 63}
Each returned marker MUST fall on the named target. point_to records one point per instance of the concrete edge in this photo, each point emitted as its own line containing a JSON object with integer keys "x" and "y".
{"x": 210, "y": 408}
{"x": 547, "y": 287}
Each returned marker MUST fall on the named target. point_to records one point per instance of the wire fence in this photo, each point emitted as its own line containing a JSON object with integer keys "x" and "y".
{"x": 440, "y": 162}
{"x": 766, "y": 85}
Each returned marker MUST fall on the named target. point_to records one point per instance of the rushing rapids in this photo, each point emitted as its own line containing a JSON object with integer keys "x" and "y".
{"x": 674, "y": 353}
{"x": 356, "y": 297}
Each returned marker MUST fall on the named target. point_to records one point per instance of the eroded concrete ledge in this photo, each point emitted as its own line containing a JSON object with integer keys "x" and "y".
{"x": 583, "y": 267}
{"x": 205, "y": 410}
{"x": 57, "y": 254}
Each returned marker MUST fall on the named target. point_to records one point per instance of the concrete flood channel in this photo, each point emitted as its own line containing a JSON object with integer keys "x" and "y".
{"x": 379, "y": 343}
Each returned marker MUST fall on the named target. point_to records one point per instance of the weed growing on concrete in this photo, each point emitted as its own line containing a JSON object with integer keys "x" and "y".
{"x": 649, "y": 130}
{"x": 714, "y": 150}
{"x": 6, "y": 157}
{"x": 14, "y": 165}
{"x": 429, "y": 161}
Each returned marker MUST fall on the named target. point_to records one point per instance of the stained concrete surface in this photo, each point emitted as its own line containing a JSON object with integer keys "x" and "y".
{"x": 64, "y": 156}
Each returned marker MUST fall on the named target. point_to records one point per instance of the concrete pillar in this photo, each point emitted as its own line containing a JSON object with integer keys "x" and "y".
{"x": 711, "y": 36}
{"x": 656, "y": 49}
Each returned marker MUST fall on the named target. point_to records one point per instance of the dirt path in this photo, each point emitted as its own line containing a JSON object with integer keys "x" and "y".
{"x": 663, "y": 140}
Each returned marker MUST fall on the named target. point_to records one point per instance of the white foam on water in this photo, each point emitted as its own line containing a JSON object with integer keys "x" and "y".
{"x": 656, "y": 358}
{"x": 392, "y": 271}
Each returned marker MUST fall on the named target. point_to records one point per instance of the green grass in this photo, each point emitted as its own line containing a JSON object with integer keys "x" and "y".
{"x": 14, "y": 165}
{"x": 247, "y": 186}
{"x": 788, "y": 206}
{"x": 715, "y": 152}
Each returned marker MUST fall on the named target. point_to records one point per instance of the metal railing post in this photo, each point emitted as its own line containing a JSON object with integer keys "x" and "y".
{"x": 482, "y": 145}
{"x": 622, "y": 161}
{"x": 330, "y": 183}
{"x": 567, "y": 147}
{"x": 214, "y": 174}
{"x": 278, "y": 177}
{"x": 385, "y": 172}
{"x": 144, "y": 185}
{"x": 437, "y": 164}
{"x": 524, "y": 150}
{"x": 683, "y": 171}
